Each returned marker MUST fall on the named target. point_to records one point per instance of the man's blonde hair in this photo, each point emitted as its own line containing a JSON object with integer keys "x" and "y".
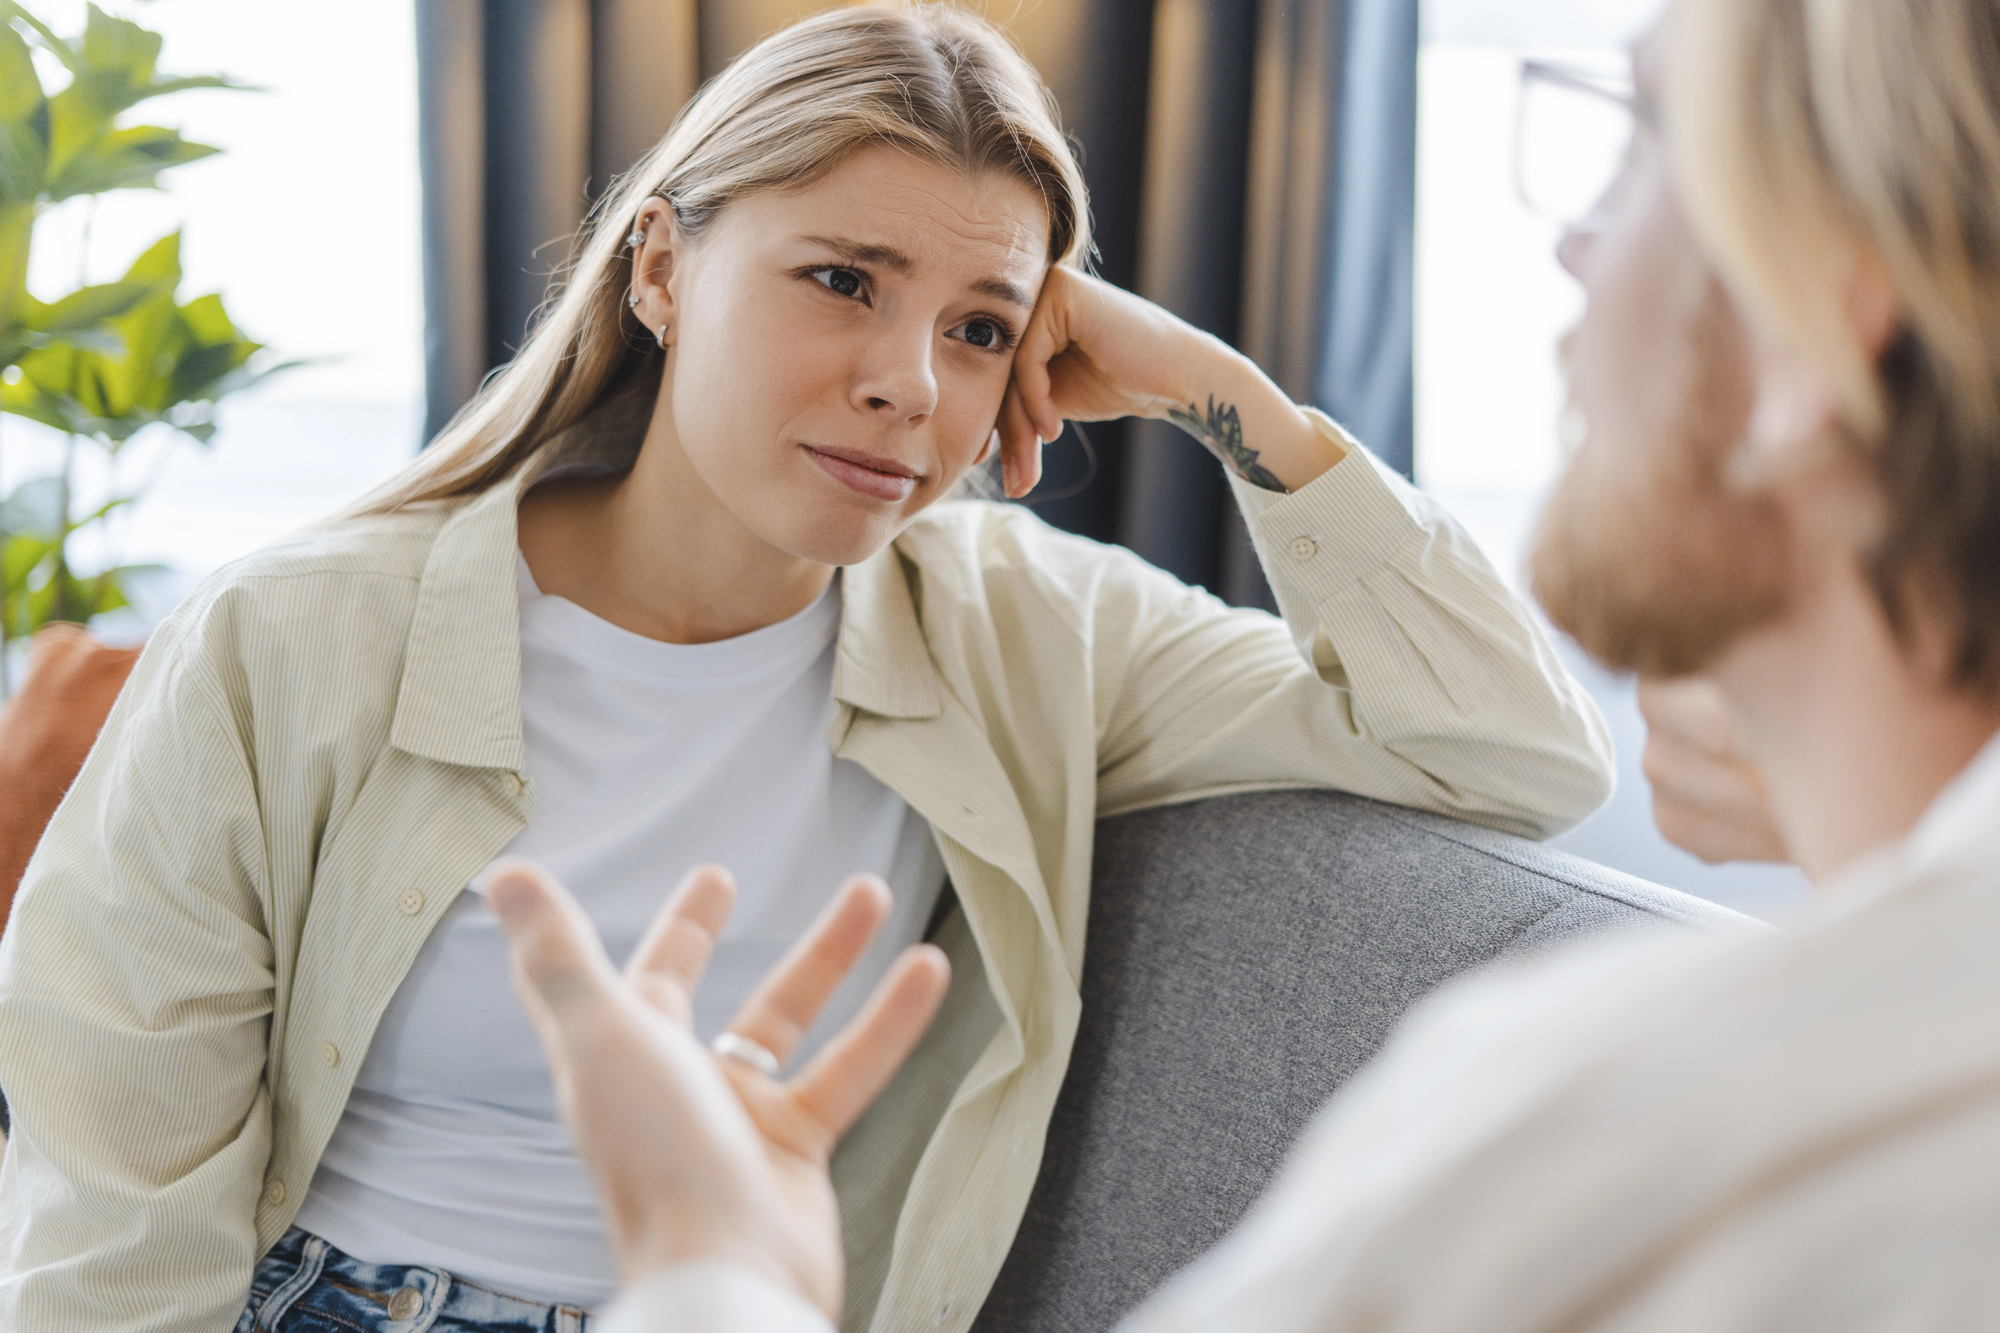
{"x": 928, "y": 79}
{"x": 1811, "y": 137}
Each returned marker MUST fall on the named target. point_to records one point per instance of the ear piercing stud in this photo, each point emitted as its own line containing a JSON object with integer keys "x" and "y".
{"x": 635, "y": 239}
{"x": 632, "y": 300}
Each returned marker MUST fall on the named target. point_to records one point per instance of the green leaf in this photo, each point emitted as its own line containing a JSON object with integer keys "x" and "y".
{"x": 202, "y": 368}
{"x": 20, "y": 83}
{"x": 208, "y": 321}
{"x": 59, "y": 48}
{"x": 24, "y": 122}
{"x": 107, "y": 595}
{"x": 115, "y": 72}
{"x": 17, "y": 227}
{"x": 86, "y": 307}
{"x": 124, "y": 160}
{"x": 22, "y": 556}
{"x": 119, "y": 44}
{"x": 26, "y": 400}
{"x": 160, "y": 264}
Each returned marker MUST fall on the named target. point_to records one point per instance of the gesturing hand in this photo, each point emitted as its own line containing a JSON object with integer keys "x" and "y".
{"x": 698, "y": 1157}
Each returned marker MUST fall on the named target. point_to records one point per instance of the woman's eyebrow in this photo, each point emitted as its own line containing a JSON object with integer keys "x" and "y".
{"x": 889, "y": 257}
{"x": 1004, "y": 290}
{"x": 861, "y": 252}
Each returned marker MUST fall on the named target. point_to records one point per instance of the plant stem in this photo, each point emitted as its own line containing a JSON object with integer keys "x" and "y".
{"x": 83, "y": 247}
{"x": 6, "y": 598}
{"x": 60, "y": 608}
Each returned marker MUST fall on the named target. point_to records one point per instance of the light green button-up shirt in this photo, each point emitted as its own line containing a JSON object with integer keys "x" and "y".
{"x": 323, "y": 745}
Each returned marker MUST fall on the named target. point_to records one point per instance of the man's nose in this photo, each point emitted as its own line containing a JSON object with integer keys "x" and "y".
{"x": 1573, "y": 250}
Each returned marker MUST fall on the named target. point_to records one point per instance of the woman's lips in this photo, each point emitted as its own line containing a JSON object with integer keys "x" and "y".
{"x": 876, "y": 478}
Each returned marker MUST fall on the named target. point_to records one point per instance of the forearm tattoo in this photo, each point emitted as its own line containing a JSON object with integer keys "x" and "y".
{"x": 1222, "y": 431}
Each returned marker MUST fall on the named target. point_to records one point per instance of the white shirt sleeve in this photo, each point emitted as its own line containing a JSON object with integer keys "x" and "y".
{"x": 709, "y": 1297}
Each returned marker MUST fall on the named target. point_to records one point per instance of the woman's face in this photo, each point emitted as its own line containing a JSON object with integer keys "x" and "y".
{"x": 839, "y": 353}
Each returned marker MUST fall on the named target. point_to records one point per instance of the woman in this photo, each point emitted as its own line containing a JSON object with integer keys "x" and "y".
{"x": 677, "y": 587}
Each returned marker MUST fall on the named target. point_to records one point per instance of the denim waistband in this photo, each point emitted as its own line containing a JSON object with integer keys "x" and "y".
{"x": 305, "y": 1285}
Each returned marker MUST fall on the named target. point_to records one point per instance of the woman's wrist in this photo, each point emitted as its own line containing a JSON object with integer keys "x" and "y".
{"x": 1225, "y": 401}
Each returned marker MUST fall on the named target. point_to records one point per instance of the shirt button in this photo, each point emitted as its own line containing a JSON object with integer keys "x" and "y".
{"x": 1305, "y": 548}
{"x": 274, "y": 1193}
{"x": 329, "y": 1055}
{"x": 514, "y": 781}
{"x": 411, "y": 902}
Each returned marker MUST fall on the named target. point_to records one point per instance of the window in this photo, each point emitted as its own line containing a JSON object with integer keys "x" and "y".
{"x": 308, "y": 224}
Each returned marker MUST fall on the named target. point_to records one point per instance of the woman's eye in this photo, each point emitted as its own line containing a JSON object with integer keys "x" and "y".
{"x": 841, "y": 281}
{"x": 984, "y": 333}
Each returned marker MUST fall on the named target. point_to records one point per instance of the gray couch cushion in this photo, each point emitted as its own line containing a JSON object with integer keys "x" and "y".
{"x": 1245, "y": 956}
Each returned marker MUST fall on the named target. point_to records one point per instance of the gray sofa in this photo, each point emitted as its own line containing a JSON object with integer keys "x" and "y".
{"x": 1246, "y": 955}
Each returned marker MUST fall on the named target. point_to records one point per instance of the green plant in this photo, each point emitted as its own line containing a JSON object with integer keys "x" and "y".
{"x": 106, "y": 361}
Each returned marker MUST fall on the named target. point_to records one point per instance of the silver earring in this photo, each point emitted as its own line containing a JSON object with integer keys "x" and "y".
{"x": 632, "y": 300}
{"x": 663, "y": 335}
{"x": 636, "y": 239}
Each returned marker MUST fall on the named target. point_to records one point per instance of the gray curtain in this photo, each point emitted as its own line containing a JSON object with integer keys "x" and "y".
{"x": 1251, "y": 166}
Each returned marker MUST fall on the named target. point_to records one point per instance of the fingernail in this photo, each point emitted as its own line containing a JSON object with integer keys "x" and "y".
{"x": 508, "y": 893}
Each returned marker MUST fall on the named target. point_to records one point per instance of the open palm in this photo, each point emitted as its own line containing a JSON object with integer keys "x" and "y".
{"x": 698, "y": 1157}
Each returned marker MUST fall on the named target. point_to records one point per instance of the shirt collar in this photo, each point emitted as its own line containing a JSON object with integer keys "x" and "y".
{"x": 460, "y": 700}
{"x": 1964, "y": 819}
{"x": 1958, "y": 833}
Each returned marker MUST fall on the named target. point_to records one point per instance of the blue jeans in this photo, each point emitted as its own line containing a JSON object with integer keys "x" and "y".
{"x": 304, "y": 1285}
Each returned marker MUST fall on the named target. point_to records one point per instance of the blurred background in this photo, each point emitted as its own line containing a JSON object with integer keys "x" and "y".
{"x": 1328, "y": 184}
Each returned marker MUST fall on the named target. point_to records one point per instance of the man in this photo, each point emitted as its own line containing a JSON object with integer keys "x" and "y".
{"x": 1789, "y": 381}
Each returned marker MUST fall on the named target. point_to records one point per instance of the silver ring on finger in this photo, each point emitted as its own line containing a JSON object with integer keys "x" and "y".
{"x": 735, "y": 1046}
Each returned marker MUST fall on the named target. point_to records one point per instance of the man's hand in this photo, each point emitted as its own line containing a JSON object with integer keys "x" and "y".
{"x": 698, "y": 1157}
{"x": 46, "y": 732}
{"x": 1707, "y": 798}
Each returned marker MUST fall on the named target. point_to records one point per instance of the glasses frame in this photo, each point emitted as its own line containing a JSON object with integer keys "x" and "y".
{"x": 1572, "y": 78}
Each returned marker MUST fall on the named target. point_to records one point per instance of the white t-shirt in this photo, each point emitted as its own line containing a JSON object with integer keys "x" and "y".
{"x": 647, "y": 758}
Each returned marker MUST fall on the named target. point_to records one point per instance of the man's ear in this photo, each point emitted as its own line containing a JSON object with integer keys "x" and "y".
{"x": 1791, "y": 421}
{"x": 1796, "y": 420}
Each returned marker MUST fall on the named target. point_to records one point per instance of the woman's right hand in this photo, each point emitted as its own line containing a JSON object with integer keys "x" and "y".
{"x": 698, "y": 1157}
{"x": 1092, "y": 352}
{"x": 1707, "y": 797}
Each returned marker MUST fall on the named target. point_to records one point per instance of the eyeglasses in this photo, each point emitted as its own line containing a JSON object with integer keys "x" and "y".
{"x": 1573, "y": 129}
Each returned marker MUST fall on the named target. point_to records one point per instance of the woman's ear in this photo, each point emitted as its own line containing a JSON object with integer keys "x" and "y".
{"x": 656, "y": 245}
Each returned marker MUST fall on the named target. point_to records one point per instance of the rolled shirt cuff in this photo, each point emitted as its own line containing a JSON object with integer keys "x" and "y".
{"x": 1317, "y": 542}
{"x": 1336, "y": 528}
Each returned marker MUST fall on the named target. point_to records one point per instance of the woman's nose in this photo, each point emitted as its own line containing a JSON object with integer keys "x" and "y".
{"x": 897, "y": 377}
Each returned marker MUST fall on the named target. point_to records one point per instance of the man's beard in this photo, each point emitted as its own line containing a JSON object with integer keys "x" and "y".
{"x": 1654, "y": 563}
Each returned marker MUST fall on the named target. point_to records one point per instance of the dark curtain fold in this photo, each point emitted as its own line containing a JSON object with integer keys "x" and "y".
{"x": 1251, "y": 165}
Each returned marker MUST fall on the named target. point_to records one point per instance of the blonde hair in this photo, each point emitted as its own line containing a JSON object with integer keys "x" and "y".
{"x": 1814, "y": 137}
{"x": 931, "y": 80}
